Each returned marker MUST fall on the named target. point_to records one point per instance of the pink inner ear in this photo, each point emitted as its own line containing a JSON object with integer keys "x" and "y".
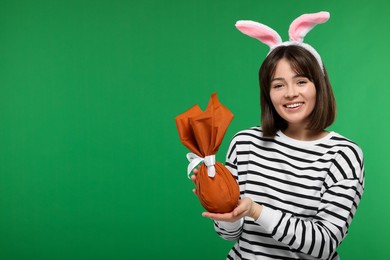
{"x": 260, "y": 32}
{"x": 304, "y": 23}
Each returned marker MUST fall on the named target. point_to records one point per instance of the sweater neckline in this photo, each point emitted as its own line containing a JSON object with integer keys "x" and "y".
{"x": 293, "y": 141}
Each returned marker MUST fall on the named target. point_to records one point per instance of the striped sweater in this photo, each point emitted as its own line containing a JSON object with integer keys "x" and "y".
{"x": 309, "y": 190}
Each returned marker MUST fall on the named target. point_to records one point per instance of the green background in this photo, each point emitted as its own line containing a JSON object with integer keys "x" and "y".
{"x": 91, "y": 166}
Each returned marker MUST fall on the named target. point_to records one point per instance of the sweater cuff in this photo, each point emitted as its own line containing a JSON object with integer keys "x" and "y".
{"x": 269, "y": 218}
{"x": 230, "y": 226}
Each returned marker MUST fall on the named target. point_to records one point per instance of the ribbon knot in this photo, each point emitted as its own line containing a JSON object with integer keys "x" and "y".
{"x": 194, "y": 160}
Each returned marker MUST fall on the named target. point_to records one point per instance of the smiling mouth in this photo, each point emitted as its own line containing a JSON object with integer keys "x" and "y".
{"x": 293, "y": 105}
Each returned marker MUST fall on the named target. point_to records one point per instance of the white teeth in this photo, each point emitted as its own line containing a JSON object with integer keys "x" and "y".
{"x": 294, "y": 105}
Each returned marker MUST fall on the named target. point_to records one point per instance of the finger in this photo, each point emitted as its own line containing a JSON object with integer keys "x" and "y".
{"x": 193, "y": 179}
{"x": 195, "y": 191}
{"x": 219, "y": 217}
{"x": 237, "y": 212}
{"x": 210, "y": 215}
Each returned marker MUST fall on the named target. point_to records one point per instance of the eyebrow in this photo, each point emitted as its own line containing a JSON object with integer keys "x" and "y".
{"x": 280, "y": 78}
{"x": 296, "y": 76}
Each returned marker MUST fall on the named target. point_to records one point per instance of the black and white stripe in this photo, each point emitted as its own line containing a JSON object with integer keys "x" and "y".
{"x": 309, "y": 190}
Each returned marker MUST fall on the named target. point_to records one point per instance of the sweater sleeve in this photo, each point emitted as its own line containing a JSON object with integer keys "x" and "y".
{"x": 227, "y": 230}
{"x": 320, "y": 235}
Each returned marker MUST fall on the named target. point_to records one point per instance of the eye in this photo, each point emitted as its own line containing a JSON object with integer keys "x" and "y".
{"x": 302, "y": 82}
{"x": 277, "y": 85}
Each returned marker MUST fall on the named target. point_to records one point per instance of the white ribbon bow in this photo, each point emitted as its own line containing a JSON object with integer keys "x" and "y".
{"x": 194, "y": 160}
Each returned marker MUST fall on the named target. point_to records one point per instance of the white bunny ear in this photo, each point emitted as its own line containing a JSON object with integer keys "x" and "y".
{"x": 260, "y": 32}
{"x": 304, "y": 23}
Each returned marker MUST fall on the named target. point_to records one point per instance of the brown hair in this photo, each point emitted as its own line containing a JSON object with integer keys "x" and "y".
{"x": 303, "y": 63}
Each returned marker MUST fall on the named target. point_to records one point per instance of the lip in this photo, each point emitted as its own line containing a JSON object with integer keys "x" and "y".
{"x": 293, "y": 105}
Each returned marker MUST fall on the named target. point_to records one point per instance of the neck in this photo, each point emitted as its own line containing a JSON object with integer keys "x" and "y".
{"x": 304, "y": 134}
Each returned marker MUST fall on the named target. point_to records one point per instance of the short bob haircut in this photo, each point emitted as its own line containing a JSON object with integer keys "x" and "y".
{"x": 303, "y": 63}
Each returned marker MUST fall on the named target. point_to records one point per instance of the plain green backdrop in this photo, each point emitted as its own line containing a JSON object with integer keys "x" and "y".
{"x": 91, "y": 166}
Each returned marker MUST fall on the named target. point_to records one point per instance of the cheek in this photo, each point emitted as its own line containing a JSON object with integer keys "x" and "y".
{"x": 310, "y": 93}
{"x": 312, "y": 98}
{"x": 274, "y": 98}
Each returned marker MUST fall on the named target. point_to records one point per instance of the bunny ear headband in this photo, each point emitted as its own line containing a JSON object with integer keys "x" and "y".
{"x": 297, "y": 32}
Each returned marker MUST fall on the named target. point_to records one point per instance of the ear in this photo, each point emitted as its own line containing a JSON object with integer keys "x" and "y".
{"x": 260, "y": 32}
{"x": 304, "y": 23}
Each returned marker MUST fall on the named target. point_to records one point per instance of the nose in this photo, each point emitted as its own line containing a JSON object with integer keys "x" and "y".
{"x": 291, "y": 92}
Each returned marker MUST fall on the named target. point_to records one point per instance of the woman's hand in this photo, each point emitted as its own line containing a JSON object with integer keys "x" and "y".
{"x": 246, "y": 207}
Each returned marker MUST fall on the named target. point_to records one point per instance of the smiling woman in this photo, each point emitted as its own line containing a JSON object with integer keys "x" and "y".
{"x": 300, "y": 185}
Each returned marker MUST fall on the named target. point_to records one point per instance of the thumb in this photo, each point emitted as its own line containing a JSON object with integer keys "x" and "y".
{"x": 237, "y": 211}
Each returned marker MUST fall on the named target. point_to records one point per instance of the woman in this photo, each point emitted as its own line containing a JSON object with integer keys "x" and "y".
{"x": 300, "y": 185}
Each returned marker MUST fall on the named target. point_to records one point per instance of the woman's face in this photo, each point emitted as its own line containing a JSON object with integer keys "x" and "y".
{"x": 292, "y": 95}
